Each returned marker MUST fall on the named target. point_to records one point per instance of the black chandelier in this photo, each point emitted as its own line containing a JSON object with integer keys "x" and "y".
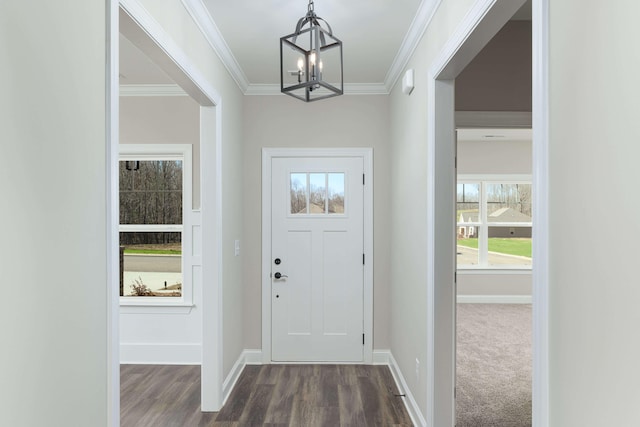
{"x": 311, "y": 60}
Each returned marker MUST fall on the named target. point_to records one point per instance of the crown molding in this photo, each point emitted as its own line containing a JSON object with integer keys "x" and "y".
{"x": 203, "y": 19}
{"x": 152, "y": 90}
{"x": 349, "y": 89}
{"x": 421, "y": 21}
{"x": 366, "y": 89}
{"x": 263, "y": 89}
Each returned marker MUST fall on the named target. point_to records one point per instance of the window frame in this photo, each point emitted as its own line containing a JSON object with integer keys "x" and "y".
{"x": 326, "y": 214}
{"x": 482, "y": 225}
{"x": 153, "y": 152}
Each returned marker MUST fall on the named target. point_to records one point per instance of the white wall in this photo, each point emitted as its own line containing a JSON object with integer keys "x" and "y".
{"x": 408, "y": 196}
{"x": 593, "y": 167}
{"x": 53, "y": 262}
{"x": 152, "y": 335}
{"x": 346, "y": 121}
{"x": 494, "y": 157}
{"x": 163, "y": 120}
{"x": 173, "y": 17}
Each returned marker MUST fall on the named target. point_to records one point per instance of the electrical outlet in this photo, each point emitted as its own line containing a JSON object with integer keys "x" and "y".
{"x": 417, "y": 369}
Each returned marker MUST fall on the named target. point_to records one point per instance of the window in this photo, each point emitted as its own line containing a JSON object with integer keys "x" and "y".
{"x": 494, "y": 223}
{"x": 154, "y": 192}
{"x": 316, "y": 193}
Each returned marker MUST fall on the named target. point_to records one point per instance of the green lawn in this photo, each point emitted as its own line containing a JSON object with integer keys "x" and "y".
{"x": 520, "y": 247}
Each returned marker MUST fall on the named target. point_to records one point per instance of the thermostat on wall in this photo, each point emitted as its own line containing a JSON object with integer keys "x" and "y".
{"x": 407, "y": 82}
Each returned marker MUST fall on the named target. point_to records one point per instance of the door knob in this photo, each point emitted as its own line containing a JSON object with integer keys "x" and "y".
{"x": 279, "y": 275}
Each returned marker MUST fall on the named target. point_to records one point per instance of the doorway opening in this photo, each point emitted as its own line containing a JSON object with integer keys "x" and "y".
{"x": 483, "y": 22}
{"x": 145, "y": 63}
{"x": 494, "y": 221}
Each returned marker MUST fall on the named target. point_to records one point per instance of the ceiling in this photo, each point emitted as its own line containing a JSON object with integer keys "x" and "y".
{"x": 371, "y": 32}
{"x": 378, "y": 38}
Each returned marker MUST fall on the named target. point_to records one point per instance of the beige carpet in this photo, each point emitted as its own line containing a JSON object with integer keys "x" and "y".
{"x": 494, "y": 365}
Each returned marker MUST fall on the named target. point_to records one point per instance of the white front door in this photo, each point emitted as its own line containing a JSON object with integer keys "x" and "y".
{"x": 317, "y": 260}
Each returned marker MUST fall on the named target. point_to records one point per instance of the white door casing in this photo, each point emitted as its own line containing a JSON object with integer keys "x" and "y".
{"x": 481, "y": 23}
{"x": 320, "y": 308}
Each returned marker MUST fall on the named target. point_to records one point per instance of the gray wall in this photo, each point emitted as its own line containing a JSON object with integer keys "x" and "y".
{"x": 593, "y": 166}
{"x": 163, "y": 120}
{"x": 409, "y": 210}
{"x": 499, "y": 77}
{"x": 173, "y": 17}
{"x": 347, "y": 121}
{"x": 53, "y": 362}
{"x": 494, "y": 157}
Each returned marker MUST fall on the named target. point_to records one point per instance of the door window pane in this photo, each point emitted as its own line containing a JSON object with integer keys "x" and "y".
{"x": 152, "y": 264}
{"x": 317, "y": 193}
{"x": 336, "y": 193}
{"x": 298, "y": 190}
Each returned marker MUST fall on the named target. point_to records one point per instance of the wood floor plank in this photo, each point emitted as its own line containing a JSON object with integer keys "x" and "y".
{"x": 351, "y": 410}
{"x": 286, "y": 390}
{"x": 240, "y": 394}
{"x": 306, "y": 414}
{"x": 267, "y": 395}
{"x": 256, "y": 408}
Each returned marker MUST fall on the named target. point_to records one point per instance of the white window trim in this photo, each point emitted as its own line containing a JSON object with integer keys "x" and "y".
{"x": 484, "y": 179}
{"x": 184, "y": 303}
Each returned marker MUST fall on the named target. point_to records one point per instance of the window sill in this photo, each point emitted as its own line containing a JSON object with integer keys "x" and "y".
{"x": 127, "y": 306}
{"x": 494, "y": 270}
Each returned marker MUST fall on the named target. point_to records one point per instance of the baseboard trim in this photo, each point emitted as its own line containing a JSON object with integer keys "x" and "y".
{"x": 381, "y": 357}
{"x": 247, "y": 357}
{"x": 494, "y": 299}
{"x": 409, "y": 402}
{"x": 160, "y": 354}
{"x": 252, "y": 357}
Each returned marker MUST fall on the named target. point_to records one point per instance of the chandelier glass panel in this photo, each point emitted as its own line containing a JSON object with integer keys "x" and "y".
{"x": 311, "y": 60}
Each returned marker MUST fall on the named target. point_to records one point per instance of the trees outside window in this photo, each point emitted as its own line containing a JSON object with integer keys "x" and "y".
{"x": 152, "y": 212}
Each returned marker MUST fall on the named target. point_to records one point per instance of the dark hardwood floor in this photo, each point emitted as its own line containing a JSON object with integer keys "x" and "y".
{"x": 267, "y": 395}
{"x": 155, "y": 395}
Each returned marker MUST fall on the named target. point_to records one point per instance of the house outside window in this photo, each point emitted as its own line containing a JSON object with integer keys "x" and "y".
{"x": 494, "y": 222}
